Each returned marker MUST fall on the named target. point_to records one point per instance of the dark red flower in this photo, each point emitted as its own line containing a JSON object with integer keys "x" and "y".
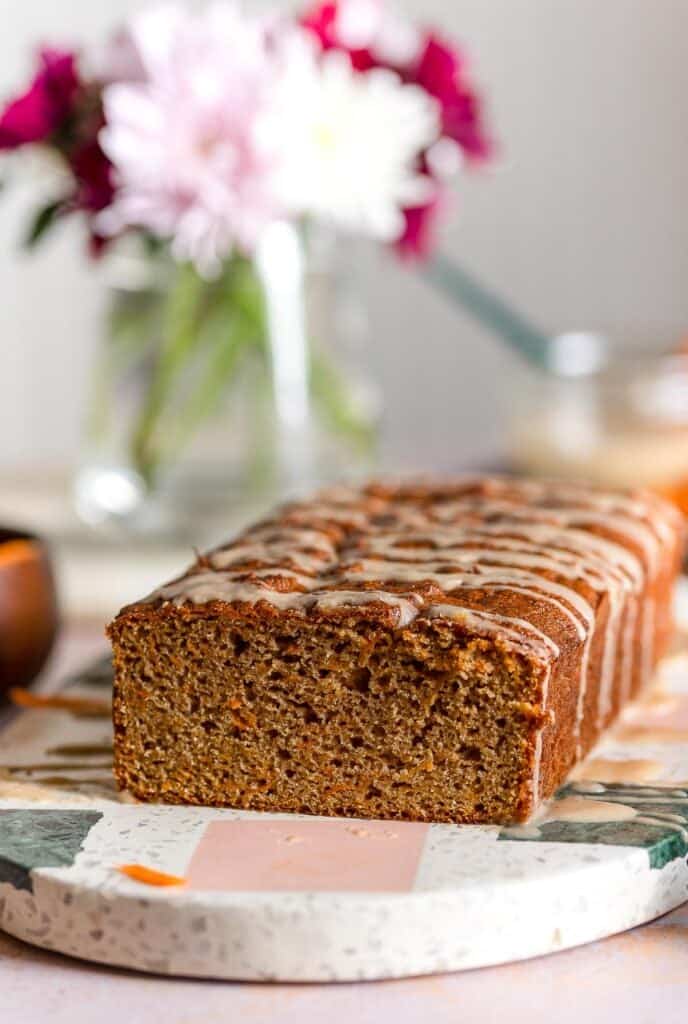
{"x": 440, "y": 72}
{"x": 97, "y": 245}
{"x": 93, "y": 176}
{"x": 94, "y": 187}
{"x": 44, "y": 107}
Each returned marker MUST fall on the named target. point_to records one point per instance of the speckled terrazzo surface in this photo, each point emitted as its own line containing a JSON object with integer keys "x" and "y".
{"x": 463, "y": 896}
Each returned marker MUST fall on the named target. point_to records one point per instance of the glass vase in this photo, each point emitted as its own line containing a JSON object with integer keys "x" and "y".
{"x": 214, "y": 398}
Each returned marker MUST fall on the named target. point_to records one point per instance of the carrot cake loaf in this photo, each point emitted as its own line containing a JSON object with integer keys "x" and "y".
{"x": 440, "y": 651}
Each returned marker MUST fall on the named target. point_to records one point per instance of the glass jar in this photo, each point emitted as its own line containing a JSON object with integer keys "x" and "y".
{"x": 623, "y": 423}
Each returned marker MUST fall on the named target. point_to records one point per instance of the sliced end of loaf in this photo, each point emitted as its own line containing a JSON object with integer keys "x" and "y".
{"x": 336, "y": 716}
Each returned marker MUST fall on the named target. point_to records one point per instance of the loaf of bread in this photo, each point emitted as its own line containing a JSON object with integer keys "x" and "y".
{"x": 442, "y": 651}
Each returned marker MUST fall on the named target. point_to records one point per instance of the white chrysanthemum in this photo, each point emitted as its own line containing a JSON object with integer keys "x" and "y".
{"x": 354, "y": 142}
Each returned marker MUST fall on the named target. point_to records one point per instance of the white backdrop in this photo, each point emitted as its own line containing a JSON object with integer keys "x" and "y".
{"x": 582, "y": 222}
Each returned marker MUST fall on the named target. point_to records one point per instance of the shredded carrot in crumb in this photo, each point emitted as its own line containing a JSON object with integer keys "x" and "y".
{"x": 57, "y": 702}
{"x": 149, "y": 876}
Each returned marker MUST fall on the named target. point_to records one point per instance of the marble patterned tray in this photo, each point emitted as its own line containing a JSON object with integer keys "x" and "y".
{"x": 291, "y": 898}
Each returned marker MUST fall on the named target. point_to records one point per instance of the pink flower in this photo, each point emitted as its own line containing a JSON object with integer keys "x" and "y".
{"x": 192, "y": 162}
{"x": 118, "y": 60}
{"x": 44, "y": 108}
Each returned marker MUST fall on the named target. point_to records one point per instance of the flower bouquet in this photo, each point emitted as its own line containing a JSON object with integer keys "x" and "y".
{"x": 241, "y": 155}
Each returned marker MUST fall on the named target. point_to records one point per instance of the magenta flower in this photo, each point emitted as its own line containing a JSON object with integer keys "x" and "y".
{"x": 323, "y": 22}
{"x": 62, "y": 111}
{"x": 43, "y": 109}
{"x": 440, "y": 70}
{"x": 418, "y": 238}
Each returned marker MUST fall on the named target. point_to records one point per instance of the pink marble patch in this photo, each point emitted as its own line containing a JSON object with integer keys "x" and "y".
{"x": 314, "y": 856}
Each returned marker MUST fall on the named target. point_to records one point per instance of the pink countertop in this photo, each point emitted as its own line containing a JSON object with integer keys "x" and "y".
{"x": 638, "y": 977}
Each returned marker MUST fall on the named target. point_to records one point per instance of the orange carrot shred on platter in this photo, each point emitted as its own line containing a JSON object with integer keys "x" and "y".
{"x": 83, "y": 706}
{"x": 149, "y": 876}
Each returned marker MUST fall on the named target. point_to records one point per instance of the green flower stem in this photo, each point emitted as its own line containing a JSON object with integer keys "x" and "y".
{"x": 233, "y": 327}
{"x": 332, "y": 400}
{"x": 133, "y": 331}
{"x": 179, "y": 336}
{"x": 206, "y": 327}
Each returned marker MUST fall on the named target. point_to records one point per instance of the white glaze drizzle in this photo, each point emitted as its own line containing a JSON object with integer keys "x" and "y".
{"x": 273, "y": 553}
{"x": 520, "y": 632}
{"x": 296, "y": 536}
{"x": 407, "y": 605}
{"x": 601, "y": 804}
{"x": 567, "y": 515}
{"x": 202, "y": 587}
{"x": 342, "y": 515}
{"x": 648, "y": 641}
{"x": 302, "y": 580}
{"x": 205, "y": 586}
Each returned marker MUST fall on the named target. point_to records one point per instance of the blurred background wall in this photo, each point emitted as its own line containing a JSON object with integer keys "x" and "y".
{"x": 583, "y": 221}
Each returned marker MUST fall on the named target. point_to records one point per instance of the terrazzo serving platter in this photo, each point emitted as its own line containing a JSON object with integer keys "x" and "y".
{"x": 294, "y": 898}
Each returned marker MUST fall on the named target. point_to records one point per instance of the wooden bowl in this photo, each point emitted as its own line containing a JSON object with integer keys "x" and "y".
{"x": 28, "y": 607}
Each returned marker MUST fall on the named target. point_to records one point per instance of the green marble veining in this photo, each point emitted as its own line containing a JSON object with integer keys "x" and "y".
{"x": 663, "y": 842}
{"x": 43, "y": 838}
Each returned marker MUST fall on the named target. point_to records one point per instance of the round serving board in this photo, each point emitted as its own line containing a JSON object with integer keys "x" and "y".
{"x": 294, "y": 898}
